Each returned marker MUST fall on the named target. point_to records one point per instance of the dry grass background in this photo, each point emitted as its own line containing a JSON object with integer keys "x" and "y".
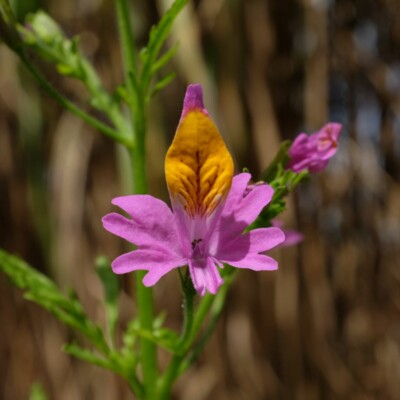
{"x": 327, "y": 324}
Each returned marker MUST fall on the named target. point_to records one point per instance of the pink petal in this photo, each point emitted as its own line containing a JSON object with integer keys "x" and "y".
{"x": 299, "y": 144}
{"x": 193, "y": 99}
{"x": 153, "y": 276}
{"x": 264, "y": 239}
{"x": 152, "y": 223}
{"x": 240, "y": 211}
{"x": 253, "y": 242}
{"x": 255, "y": 262}
{"x": 157, "y": 262}
{"x": 238, "y": 188}
{"x": 250, "y": 207}
{"x": 205, "y": 275}
{"x": 316, "y": 165}
{"x": 291, "y": 238}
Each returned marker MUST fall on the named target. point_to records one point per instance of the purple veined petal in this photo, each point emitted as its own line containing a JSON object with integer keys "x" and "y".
{"x": 154, "y": 275}
{"x": 238, "y": 217}
{"x": 264, "y": 239}
{"x": 253, "y": 242}
{"x": 152, "y": 223}
{"x": 238, "y": 188}
{"x": 205, "y": 275}
{"x": 182, "y": 223}
{"x": 255, "y": 262}
{"x": 157, "y": 262}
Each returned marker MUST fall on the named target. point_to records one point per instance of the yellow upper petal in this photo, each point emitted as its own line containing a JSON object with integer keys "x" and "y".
{"x": 198, "y": 166}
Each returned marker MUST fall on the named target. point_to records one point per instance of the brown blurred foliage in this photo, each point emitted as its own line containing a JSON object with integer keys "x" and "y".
{"x": 327, "y": 324}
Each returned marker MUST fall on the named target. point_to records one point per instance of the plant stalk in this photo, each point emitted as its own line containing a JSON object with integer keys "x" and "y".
{"x": 144, "y": 295}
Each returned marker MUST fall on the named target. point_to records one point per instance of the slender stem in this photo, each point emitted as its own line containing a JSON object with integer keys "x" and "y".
{"x": 201, "y": 313}
{"x": 128, "y": 55}
{"x": 127, "y": 40}
{"x": 171, "y": 372}
{"x": 216, "y": 311}
{"x": 216, "y": 304}
{"x": 144, "y": 295}
{"x": 135, "y": 385}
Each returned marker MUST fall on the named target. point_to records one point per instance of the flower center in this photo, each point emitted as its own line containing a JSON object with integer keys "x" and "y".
{"x": 197, "y": 249}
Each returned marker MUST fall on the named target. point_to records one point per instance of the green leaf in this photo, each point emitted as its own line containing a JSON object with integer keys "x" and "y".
{"x": 284, "y": 182}
{"x": 158, "y": 35}
{"x": 37, "y": 392}
{"x": 278, "y": 163}
{"x": 111, "y": 293}
{"x": 164, "y": 337}
{"x": 163, "y": 83}
{"x": 87, "y": 356}
{"x": 164, "y": 59}
{"x": 158, "y": 322}
{"x": 41, "y": 290}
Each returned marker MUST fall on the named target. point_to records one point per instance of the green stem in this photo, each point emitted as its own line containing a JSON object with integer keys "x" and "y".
{"x": 192, "y": 325}
{"x": 201, "y": 314}
{"x": 127, "y": 40}
{"x": 216, "y": 311}
{"x": 171, "y": 372}
{"x": 128, "y": 55}
{"x": 281, "y": 158}
{"x": 144, "y": 295}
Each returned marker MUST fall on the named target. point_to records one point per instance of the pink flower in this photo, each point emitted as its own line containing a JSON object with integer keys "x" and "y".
{"x": 292, "y": 237}
{"x": 211, "y": 210}
{"x": 313, "y": 152}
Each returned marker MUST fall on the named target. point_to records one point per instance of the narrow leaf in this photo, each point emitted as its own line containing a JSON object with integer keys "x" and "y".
{"x": 163, "y": 83}
{"x": 158, "y": 35}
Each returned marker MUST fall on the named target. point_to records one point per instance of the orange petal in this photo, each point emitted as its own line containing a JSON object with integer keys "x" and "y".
{"x": 198, "y": 166}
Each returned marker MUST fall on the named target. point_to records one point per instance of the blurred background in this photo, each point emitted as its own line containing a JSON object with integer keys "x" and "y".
{"x": 326, "y": 325}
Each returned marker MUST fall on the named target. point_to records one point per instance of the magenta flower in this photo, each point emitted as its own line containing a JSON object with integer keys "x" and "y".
{"x": 313, "y": 152}
{"x": 211, "y": 211}
{"x": 292, "y": 237}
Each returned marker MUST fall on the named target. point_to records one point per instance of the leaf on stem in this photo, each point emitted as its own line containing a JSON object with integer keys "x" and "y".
{"x": 41, "y": 290}
{"x": 158, "y": 36}
{"x": 163, "y": 83}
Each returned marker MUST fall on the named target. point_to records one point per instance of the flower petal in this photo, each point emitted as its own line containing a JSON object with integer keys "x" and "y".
{"x": 264, "y": 239}
{"x": 205, "y": 275}
{"x": 236, "y": 194}
{"x": 157, "y": 262}
{"x": 313, "y": 152}
{"x": 240, "y": 209}
{"x": 198, "y": 166}
{"x": 292, "y": 238}
{"x": 152, "y": 223}
{"x": 255, "y": 262}
{"x": 253, "y": 242}
{"x": 246, "y": 207}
